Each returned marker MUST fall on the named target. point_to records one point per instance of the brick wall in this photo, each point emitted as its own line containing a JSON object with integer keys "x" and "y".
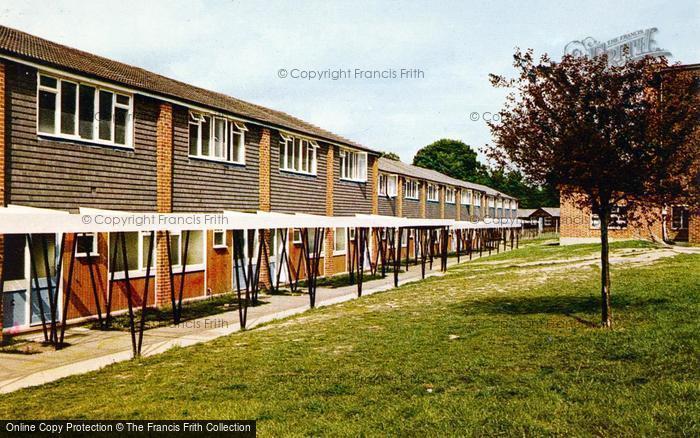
{"x": 375, "y": 182}
{"x": 399, "y": 197}
{"x": 328, "y": 262}
{"x": 443, "y": 190}
{"x": 265, "y": 205}
{"x": 576, "y": 227}
{"x": 2, "y": 178}
{"x": 423, "y": 196}
{"x": 694, "y": 228}
{"x": 164, "y": 197}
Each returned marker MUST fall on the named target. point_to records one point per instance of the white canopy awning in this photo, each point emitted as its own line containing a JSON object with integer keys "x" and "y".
{"x": 16, "y": 219}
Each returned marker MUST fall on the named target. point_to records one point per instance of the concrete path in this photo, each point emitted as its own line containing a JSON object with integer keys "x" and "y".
{"x": 93, "y": 349}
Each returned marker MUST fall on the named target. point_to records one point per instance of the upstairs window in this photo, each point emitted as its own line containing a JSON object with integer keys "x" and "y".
{"x": 353, "y": 165}
{"x": 466, "y": 197}
{"x": 410, "y": 189}
{"x": 80, "y": 111}
{"x": 433, "y": 193}
{"x": 450, "y": 195}
{"x": 477, "y": 199}
{"x": 298, "y": 154}
{"x": 388, "y": 184}
{"x": 217, "y": 138}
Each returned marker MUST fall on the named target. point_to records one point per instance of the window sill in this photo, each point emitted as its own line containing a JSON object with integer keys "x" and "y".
{"x": 296, "y": 172}
{"x": 434, "y": 202}
{"x": 83, "y": 255}
{"x": 85, "y": 142}
{"x": 215, "y": 160}
{"x": 219, "y": 246}
{"x": 362, "y": 181}
{"x": 339, "y": 253}
{"x": 411, "y": 199}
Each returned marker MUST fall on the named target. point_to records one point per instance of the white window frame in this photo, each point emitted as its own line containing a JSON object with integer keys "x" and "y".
{"x": 342, "y": 231}
{"x": 477, "y": 199}
{"x": 213, "y": 239}
{"x": 386, "y": 189}
{"x": 466, "y": 197}
{"x": 231, "y": 127}
{"x": 414, "y": 188}
{"x": 93, "y": 252}
{"x": 435, "y": 196}
{"x": 684, "y": 217}
{"x": 129, "y": 129}
{"x": 450, "y": 194}
{"x": 288, "y": 143}
{"x": 353, "y": 165}
{"x": 595, "y": 220}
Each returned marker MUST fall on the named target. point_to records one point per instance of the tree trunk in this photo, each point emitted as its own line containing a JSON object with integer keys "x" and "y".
{"x": 605, "y": 267}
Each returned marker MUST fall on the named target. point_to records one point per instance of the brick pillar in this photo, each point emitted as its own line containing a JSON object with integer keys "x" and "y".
{"x": 458, "y": 204}
{"x": 164, "y": 197}
{"x": 422, "y": 196}
{"x": 264, "y": 193}
{"x": 694, "y": 228}
{"x": 399, "y": 197}
{"x": 375, "y": 186}
{"x": 2, "y": 179}
{"x": 330, "y": 190}
{"x": 443, "y": 189}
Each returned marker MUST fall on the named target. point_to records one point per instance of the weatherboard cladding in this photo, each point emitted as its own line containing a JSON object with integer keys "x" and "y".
{"x": 411, "y": 208}
{"x": 450, "y": 211}
{"x": 207, "y": 186}
{"x": 294, "y": 192}
{"x": 432, "y": 210}
{"x": 350, "y": 197}
{"x": 64, "y": 174}
{"x": 387, "y": 206}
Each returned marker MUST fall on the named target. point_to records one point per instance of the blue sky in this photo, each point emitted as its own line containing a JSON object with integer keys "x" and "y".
{"x": 238, "y": 48}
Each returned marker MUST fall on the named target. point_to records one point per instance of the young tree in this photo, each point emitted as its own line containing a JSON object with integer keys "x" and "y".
{"x": 606, "y": 135}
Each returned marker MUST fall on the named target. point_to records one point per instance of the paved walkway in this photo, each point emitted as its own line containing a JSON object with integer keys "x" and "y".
{"x": 93, "y": 349}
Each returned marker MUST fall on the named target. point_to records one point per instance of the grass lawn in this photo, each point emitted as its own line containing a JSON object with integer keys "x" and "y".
{"x": 490, "y": 348}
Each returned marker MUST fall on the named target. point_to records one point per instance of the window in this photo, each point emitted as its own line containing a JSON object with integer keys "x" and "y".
{"x": 679, "y": 218}
{"x": 387, "y": 185}
{"x": 296, "y": 236}
{"x": 351, "y": 231}
{"x": 499, "y": 203}
{"x": 450, "y": 195}
{"x": 353, "y": 165}
{"x": 219, "y": 239}
{"x": 477, "y": 199}
{"x": 466, "y": 197}
{"x": 217, "y": 138}
{"x": 410, "y": 189}
{"x": 433, "y": 193}
{"x": 618, "y": 218}
{"x": 339, "y": 241}
{"x": 86, "y": 244}
{"x": 298, "y": 154}
{"x": 137, "y": 244}
{"x": 74, "y": 110}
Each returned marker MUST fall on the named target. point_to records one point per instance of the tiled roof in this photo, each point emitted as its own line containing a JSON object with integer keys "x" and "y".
{"x": 411, "y": 171}
{"x": 31, "y": 48}
{"x": 554, "y": 211}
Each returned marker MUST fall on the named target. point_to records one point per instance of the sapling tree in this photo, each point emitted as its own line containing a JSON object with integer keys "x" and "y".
{"x": 607, "y": 136}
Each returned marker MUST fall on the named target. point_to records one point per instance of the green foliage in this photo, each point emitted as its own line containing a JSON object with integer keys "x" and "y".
{"x": 458, "y": 160}
{"x": 453, "y": 158}
{"x": 391, "y": 156}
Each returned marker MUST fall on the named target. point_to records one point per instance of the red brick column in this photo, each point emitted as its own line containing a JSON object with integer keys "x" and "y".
{"x": 399, "y": 196}
{"x": 694, "y": 228}
{"x": 164, "y": 197}
{"x": 264, "y": 203}
{"x": 442, "y": 201}
{"x": 422, "y": 195}
{"x": 2, "y": 177}
{"x": 330, "y": 190}
{"x": 375, "y": 186}
{"x": 458, "y": 204}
